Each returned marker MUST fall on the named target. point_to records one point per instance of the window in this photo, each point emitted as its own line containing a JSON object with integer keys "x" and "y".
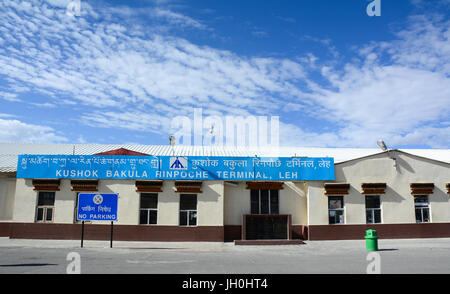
{"x": 148, "y": 212}
{"x": 373, "y": 209}
{"x": 45, "y": 207}
{"x": 422, "y": 208}
{"x": 264, "y": 202}
{"x": 188, "y": 209}
{"x": 336, "y": 210}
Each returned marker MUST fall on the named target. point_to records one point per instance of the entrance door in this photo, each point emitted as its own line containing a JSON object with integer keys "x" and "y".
{"x": 266, "y": 227}
{"x": 264, "y": 222}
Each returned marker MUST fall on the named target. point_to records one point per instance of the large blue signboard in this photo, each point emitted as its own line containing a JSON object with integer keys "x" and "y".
{"x": 95, "y": 207}
{"x": 175, "y": 168}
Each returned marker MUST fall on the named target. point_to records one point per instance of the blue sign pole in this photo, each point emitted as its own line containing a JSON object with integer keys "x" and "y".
{"x": 110, "y": 241}
{"x": 82, "y": 233}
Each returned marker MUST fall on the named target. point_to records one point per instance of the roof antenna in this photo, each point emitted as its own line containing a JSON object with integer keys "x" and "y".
{"x": 172, "y": 143}
{"x": 383, "y": 147}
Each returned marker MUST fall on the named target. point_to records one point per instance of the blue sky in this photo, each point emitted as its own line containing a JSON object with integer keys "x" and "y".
{"x": 120, "y": 72}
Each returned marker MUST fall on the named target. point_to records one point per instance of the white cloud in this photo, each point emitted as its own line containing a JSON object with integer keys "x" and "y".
{"x": 295, "y": 135}
{"x": 177, "y": 18}
{"x": 132, "y": 120}
{"x": 17, "y": 131}
{"x": 398, "y": 100}
{"x": 6, "y": 115}
{"x": 135, "y": 78}
{"x": 44, "y": 105}
{"x": 436, "y": 3}
{"x": 103, "y": 66}
{"x": 425, "y": 44}
{"x": 59, "y": 3}
{"x": 12, "y": 97}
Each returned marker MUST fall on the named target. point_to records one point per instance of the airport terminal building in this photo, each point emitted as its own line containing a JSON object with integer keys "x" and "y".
{"x": 194, "y": 193}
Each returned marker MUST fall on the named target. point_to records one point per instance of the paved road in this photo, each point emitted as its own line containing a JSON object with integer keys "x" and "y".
{"x": 418, "y": 256}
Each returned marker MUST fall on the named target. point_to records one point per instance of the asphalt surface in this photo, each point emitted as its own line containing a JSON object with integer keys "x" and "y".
{"x": 401, "y": 256}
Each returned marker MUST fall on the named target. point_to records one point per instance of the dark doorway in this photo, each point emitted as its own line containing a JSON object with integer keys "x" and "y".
{"x": 266, "y": 227}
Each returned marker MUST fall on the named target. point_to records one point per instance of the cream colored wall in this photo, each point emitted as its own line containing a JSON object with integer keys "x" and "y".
{"x": 64, "y": 212}
{"x": 292, "y": 200}
{"x": 317, "y": 204}
{"x": 225, "y": 204}
{"x": 209, "y": 203}
{"x": 24, "y": 201}
{"x": 397, "y": 204}
{"x": 236, "y": 203}
{"x": 168, "y": 205}
{"x": 7, "y": 190}
{"x": 128, "y": 204}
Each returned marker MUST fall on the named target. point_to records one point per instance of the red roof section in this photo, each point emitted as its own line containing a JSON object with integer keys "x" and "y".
{"x": 121, "y": 151}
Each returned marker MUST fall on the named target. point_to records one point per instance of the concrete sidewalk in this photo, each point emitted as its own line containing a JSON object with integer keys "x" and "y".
{"x": 75, "y": 244}
{"x": 419, "y": 256}
{"x": 384, "y": 244}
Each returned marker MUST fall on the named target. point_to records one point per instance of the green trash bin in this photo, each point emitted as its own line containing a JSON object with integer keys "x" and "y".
{"x": 371, "y": 240}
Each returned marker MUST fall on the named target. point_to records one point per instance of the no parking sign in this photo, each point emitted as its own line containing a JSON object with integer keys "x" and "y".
{"x": 97, "y": 207}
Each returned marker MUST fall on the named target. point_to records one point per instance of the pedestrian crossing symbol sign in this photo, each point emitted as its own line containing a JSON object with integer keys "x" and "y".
{"x": 178, "y": 163}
